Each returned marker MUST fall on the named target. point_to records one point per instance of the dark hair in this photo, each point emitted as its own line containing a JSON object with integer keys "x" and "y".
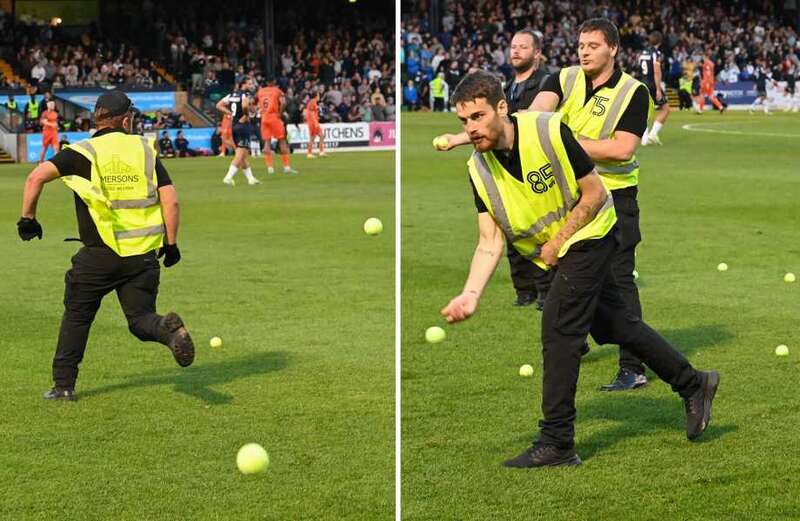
{"x": 656, "y": 36}
{"x": 478, "y": 84}
{"x": 605, "y": 26}
{"x": 537, "y": 42}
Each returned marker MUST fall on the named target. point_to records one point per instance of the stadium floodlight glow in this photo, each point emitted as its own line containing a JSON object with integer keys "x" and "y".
{"x": 55, "y": 21}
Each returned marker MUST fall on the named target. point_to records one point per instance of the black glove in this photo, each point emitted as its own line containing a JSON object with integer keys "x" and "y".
{"x": 171, "y": 254}
{"x": 29, "y": 228}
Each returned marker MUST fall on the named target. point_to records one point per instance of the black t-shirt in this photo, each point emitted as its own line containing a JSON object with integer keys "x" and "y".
{"x": 581, "y": 164}
{"x": 633, "y": 120}
{"x": 520, "y": 95}
{"x": 69, "y": 162}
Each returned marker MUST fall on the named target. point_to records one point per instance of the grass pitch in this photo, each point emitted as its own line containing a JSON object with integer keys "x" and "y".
{"x": 304, "y": 303}
{"x": 705, "y": 198}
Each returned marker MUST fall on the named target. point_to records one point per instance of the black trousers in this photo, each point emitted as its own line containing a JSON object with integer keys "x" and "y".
{"x": 438, "y": 105}
{"x": 624, "y": 262}
{"x": 585, "y": 298}
{"x": 95, "y": 272}
{"x": 526, "y": 276}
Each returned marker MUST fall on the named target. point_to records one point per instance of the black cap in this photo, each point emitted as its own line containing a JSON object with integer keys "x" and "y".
{"x": 113, "y": 103}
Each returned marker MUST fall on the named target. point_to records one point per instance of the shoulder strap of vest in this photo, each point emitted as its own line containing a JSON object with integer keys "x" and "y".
{"x": 620, "y": 103}
{"x": 569, "y": 81}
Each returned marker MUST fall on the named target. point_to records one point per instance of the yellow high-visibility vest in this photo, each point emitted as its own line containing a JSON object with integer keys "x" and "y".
{"x": 598, "y": 118}
{"x": 533, "y": 211}
{"x": 122, "y": 195}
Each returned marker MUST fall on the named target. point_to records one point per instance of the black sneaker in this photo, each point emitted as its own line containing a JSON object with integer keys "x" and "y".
{"x": 626, "y": 380}
{"x": 698, "y": 406}
{"x": 524, "y": 298}
{"x": 175, "y": 336}
{"x": 60, "y": 393}
{"x": 540, "y": 455}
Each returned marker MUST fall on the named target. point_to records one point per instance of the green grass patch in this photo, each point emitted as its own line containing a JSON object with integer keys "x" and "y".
{"x": 304, "y": 303}
{"x": 705, "y": 198}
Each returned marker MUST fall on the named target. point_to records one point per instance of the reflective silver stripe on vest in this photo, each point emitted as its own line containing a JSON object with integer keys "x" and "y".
{"x": 498, "y": 209}
{"x": 149, "y": 168}
{"x": 621, "y": 169}
{"x": 87, "y": 146}
{"x": 140, "y": 232}
{"x": 543, "y": 129}
{"x": 569, "y": 82}
{"x": 134, "y": 203}
{"x": 616, "y": 107}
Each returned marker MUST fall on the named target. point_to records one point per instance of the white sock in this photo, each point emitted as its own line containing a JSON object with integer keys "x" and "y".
{"x": 656, "y": 127}
{"x": 231, "y": 172}
{"x": 645, "y": 136}
{"x": 249, "y": 174}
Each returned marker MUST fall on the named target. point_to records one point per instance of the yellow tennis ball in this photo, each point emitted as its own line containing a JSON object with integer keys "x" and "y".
{"x": 782, "y": 350}
{"x": 373, "y": 226}
{"x": 252, "y": 459}
{"x": 526, "y": 370}
{"x": 215, "y": 342}
{"x": 434, "y": 334}
{"x": 440, "y": 142}
{"x": 722, "y": 266}
{"x": 789, "y": 277}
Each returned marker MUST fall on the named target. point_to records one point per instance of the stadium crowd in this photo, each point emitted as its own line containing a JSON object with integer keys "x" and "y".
{"x": 741, "y": 35}
{"x": 351, "y": 64}
{"x": 45, "y": 56}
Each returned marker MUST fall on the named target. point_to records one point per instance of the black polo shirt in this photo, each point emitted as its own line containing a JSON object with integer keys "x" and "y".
{"x": 69, "y": 162}
{"x": 520, "y": 95}
{"x": 580, "y": 161}
{"x": 633, "y": 120}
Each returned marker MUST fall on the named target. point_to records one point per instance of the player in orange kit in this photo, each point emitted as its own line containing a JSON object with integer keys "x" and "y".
{"x": 226, "y": 133}
{"x": 49, "y": 121}
{"x": 707, "y": 81}
{"x": 270, "y": 100}
{"x": 314, "y": 128}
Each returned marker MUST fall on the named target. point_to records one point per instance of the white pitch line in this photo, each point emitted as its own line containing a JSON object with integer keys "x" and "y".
{"x": 693, "y": 128}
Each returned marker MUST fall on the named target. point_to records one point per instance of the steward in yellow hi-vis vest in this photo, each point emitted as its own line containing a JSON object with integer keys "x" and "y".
{"x": 127, "y": 210}
{"x": 608, "y": 112}
{"x": 121, "y": 194}
{"x": 598, "y": 119}
{"x": 533, "y": 211}
{"x": 537, "y": 189}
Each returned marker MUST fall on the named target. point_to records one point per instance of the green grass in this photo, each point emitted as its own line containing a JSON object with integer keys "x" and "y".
{"x": 705, "y": 198}
{"x": 304, "y": 302}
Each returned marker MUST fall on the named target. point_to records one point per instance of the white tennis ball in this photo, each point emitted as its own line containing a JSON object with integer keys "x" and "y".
{"x": 435, "y": 334}
{"x": 215, "y": 342}
{"x": 373, "y": 226}
{"x": 722, "y": 267}
{"x": 781, "y": 350}
{"x": 252, "y": 459}
{"x": 789, "y": 277}
{"x": 526, "y": 370}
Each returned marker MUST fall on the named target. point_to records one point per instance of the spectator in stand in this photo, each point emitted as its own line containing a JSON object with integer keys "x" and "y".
{"x": 165, "y": 147}
{"x": 473, "y": 35}
{"x": 182, "y": 146}
{"x": 410, "y": 96}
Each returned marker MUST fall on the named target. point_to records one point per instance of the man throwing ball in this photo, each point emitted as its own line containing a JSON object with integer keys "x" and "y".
{"x": 536, "y": 189}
